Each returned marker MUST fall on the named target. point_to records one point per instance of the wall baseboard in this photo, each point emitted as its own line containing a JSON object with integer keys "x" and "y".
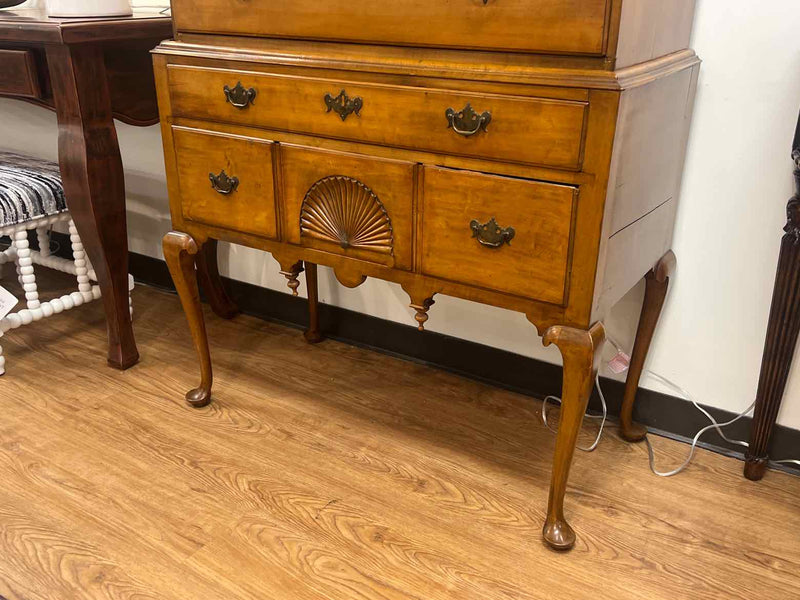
{"x": 663, "y": 414}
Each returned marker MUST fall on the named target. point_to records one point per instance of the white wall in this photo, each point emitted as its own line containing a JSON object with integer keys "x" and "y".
{"x": 737, "y": 181}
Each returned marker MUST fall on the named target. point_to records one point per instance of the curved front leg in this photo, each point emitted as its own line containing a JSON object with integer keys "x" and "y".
{"x": 656, "y": 282}
{"x": 94, "y": 181}
{"x": 180, "y": 252}
{"x": 580, "y": 350}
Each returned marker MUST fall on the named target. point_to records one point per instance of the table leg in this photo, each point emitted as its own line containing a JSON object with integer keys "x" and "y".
{"x": 211, "y": 282}
{"x": 313, "y": 334}
{"x": 782, "y": 332}
{"x": 180, "y": 252}
{"x": 656, "y": 282}
{"x": 580, "y": 350}
{"x": 94, "y": 183}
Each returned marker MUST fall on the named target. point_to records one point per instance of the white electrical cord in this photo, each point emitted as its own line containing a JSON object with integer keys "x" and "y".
{"x": 603, "y": 416}
{"x": 650, "y": 454}
{"x": 714, "y": 425}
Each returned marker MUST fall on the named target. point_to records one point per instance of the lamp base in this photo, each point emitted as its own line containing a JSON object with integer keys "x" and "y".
{"x": 89, "y": 8}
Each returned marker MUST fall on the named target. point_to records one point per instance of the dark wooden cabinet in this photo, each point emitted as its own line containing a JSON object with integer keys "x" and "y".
{"x": 525, "y": 154}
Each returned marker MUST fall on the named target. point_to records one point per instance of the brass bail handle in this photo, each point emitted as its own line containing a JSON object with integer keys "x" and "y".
{"x": 223, "y": 184}
{"x": 239, "y": 96}
{"x": 491, "y": 234}
{"x": 467, "y": 121}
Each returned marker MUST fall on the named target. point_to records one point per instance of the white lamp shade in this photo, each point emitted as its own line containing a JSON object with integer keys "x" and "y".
{"x": 89, "y": 8}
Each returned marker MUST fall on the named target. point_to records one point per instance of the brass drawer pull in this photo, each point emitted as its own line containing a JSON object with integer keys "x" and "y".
{"x": 491, "y": 234}
{"x": 223, "y": 184}
{"x": 466, "y": 121}
{"x": 240, "y": 96}
{"x": 343, "y": 105}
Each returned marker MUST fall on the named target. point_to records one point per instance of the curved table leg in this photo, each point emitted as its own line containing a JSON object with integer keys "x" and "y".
{"x": 180, "y": 252}
{"x": 94, "y": 182}
{"x": 211, "y": 282}
{"x": 657, "y": 282}
{"x": 580, "y": 350}
{"x": 313, "y": 335}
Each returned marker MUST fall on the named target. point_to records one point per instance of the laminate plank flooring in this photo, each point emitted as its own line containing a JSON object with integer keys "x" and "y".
{"x": 334, "y": 472}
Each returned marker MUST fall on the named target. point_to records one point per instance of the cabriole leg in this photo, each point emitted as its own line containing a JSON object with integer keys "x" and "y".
{"x": 580, "y": 350}
{"x": 312, "y": 334}
{"x": 656, "y": 284}
{"x": 211, "y": 282}
{"x": 180, "y": 252}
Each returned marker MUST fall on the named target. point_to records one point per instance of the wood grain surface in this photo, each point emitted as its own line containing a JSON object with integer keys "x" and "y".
{"x": 19, "y": 76}
{"x": 329, "y": 471}
{"x": 559, "y": 26}
{"x": 535, "y": 261}
{"x": 250, "y": 207}
{"x": 532, "y": 130}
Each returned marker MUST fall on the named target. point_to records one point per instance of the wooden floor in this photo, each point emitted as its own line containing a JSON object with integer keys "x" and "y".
{"x": 334, "y": 472}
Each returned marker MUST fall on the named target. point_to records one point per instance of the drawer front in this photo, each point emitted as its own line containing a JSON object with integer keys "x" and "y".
{"x": 552, "y": 26}
{"x": 513, "y": 128}
{"x": 511, "y": 235}
{"x": 18, "y": 74}
{"x": 348, "y": 204}
{"x": 226, "y": 181}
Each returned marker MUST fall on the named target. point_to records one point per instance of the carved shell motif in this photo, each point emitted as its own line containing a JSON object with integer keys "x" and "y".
{"x": 343, "y": 210}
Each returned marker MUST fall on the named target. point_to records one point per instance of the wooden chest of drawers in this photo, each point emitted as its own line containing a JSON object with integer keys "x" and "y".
{"x": 521, "y": 153}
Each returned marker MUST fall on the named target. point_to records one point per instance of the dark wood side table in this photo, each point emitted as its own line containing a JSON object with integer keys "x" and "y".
{"x": 783, "y": 328}
{"x": 90, "y": 71}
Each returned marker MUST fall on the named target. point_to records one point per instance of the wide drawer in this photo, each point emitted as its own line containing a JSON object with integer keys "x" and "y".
{"x": 531, "y": 130}
{"x": 18, "y": 74}
{"x": 348, "y": 204}
{"x": 511, "y": 235}
{"x": 552, "y": 26}
{"x": 226, "y": 181}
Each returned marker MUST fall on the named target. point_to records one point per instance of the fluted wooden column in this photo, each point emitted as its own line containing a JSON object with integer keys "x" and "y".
{"x": 782, "y": 331}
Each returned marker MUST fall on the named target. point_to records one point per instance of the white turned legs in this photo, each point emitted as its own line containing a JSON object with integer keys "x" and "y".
{"x": 43, "y": 237}
{"x": 25, "y": 272}
{"x": 79, "y": 257}
{"x": 24, "y": 259}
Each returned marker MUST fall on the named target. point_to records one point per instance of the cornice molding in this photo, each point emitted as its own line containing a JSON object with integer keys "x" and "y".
{"x": 312, "y": 55}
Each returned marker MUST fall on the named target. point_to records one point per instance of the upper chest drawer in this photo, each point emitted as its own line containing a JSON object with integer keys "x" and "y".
{"x": 522, "y": 129}
{"x": 548, "y": 26}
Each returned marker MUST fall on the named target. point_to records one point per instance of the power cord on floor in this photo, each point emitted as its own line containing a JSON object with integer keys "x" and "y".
{"x": 714, "y": 425}
{"x": 603, "y": 417}
{"x": 650, "y": 453}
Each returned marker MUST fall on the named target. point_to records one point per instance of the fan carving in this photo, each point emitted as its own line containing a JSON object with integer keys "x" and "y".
{"x": 343, "y": 210}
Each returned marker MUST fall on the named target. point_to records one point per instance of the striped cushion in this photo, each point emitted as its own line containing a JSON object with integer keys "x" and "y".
{"x": 30, "y": 188}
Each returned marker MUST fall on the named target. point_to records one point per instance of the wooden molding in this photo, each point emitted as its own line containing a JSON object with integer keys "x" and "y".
{"x": 578, "y": 72}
